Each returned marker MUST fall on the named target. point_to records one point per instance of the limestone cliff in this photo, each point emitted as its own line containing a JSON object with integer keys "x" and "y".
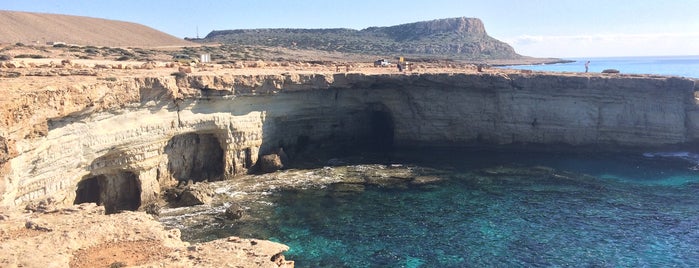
{"x": 118, "y": 142}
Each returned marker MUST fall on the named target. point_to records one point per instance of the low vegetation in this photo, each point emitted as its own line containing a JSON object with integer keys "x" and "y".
{"x": 459, "y": 38}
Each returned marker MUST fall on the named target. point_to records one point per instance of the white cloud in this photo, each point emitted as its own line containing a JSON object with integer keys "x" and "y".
{"x": 606, "y": 45}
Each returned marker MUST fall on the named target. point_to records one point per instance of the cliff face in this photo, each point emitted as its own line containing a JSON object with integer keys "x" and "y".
{"x": 467, "y": 27}
{"x": 120, "y": 142}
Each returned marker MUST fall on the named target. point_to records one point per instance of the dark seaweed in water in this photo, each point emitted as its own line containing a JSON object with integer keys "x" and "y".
{"x": 489, "y": 210}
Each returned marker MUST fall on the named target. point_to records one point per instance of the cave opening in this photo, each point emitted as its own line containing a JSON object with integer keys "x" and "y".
{"x": 89, "y": 190}
{"x": 116, "y": 192}
{"x": 195, "y": 157}
{"x": 381, "y": 131}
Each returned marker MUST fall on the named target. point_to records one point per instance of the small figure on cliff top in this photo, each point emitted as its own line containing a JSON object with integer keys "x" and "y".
{"x": 587, "y": 66}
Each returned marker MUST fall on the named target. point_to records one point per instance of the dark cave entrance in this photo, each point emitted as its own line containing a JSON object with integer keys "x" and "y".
{"x": 116, "y": 192}
{"x": 195, "y": 157}
{"x": 381, "y": 131}
{"x": 89, "y": 190}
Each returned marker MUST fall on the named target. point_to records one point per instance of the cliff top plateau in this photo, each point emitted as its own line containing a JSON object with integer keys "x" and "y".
{"x": 32, "y": 28}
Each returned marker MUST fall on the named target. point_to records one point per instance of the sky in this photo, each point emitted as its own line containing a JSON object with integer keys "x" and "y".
{"x": 539, "y": 28}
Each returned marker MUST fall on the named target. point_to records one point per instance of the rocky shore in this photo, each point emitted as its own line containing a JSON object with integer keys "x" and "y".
{"x": 121, "y": 137}
{"x": 83, "y": 236}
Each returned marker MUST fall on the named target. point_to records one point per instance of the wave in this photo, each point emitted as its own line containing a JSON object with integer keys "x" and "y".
{"x": 687, "y": 156}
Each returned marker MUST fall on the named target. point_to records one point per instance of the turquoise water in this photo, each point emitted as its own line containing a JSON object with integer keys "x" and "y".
{"x": 491, "y": 209}
{"x": 687, "y": 66}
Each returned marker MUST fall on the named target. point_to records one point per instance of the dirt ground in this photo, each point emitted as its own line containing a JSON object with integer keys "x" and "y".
{"x": 119, "y": 254}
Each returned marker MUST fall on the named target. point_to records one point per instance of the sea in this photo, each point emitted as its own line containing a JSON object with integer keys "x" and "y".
{"x": 686, "y": 66}
{"x": 470, "y": 208}
{"x": 474, "y": 207}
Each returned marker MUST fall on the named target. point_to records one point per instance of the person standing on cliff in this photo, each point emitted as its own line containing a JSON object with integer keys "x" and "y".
{"x": 587, "y": 66}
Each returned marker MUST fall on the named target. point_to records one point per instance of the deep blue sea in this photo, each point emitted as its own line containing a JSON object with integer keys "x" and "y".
{"x": 443, "y": 208}
{"x": 687, "y": 66}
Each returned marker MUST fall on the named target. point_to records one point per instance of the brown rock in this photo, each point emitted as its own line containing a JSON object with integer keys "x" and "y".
{"x": 88, "y": 238}
{"x": 234, "y": 212}
{"x": 185, "y": 69}
{"x": 199, "y": 194}
{"x": 270, "y": 163}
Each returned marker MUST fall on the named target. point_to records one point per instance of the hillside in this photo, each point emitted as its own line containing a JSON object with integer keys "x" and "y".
{"x": 463, "y": 38}
{"x": 32, "y": 28}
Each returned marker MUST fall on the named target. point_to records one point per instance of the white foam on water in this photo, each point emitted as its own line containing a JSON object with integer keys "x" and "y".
{"x": 689, "y": 156}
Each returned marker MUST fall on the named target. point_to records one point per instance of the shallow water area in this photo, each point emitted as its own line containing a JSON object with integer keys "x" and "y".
{"x": 468, "y": 209}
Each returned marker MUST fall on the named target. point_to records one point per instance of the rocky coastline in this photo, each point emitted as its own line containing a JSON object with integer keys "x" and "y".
{"x": 122, "y": 138}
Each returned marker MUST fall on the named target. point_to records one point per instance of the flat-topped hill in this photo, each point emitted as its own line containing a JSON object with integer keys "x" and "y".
{"x": 462, "y": 38}
{"x": 26, "y": 27}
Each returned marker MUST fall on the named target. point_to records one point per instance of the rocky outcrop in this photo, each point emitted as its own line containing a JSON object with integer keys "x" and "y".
{"x": 82, "y": 236}
{"x": 270, "y": 163}
{"x": 119, "y": 143}
{"x": 453, "y": 37}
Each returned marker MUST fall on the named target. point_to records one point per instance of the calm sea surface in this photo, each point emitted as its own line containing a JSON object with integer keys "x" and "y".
{"x": 687, "y": 66}
{"x": 477, "y": 209}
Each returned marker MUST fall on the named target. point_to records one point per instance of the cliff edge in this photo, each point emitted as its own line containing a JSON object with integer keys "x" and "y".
{"x": 147, "y": 132}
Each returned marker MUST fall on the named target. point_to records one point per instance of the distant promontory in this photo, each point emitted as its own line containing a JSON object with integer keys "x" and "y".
{"x": 460, "y": 38}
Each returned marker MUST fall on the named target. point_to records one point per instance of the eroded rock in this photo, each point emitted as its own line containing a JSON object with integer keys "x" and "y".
{"x": 270, "y": 163}
{"x": 234, "y": 212}
{"x": 192, "y": 195}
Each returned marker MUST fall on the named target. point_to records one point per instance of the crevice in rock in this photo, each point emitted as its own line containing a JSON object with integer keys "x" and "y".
{"x": 177, "y": 102}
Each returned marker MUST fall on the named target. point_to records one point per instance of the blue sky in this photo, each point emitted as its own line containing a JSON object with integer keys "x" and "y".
{"x": 542, "y": 28}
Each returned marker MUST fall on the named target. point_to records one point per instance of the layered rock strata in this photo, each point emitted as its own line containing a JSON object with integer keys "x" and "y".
{"x": 118, "y": 143}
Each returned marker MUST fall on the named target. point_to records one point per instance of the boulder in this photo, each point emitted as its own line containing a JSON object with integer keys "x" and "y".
{"x": 148, "y": 65}
{"x": 198, "y": 194}
{"x": 185, "y": 69}
{"x": 270, "y": 163}
{"x": 610, "y": 71}
{"x": 234, "y": 212}
{"x": 44, "y": 205}
{"x": 152, "y": 209}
